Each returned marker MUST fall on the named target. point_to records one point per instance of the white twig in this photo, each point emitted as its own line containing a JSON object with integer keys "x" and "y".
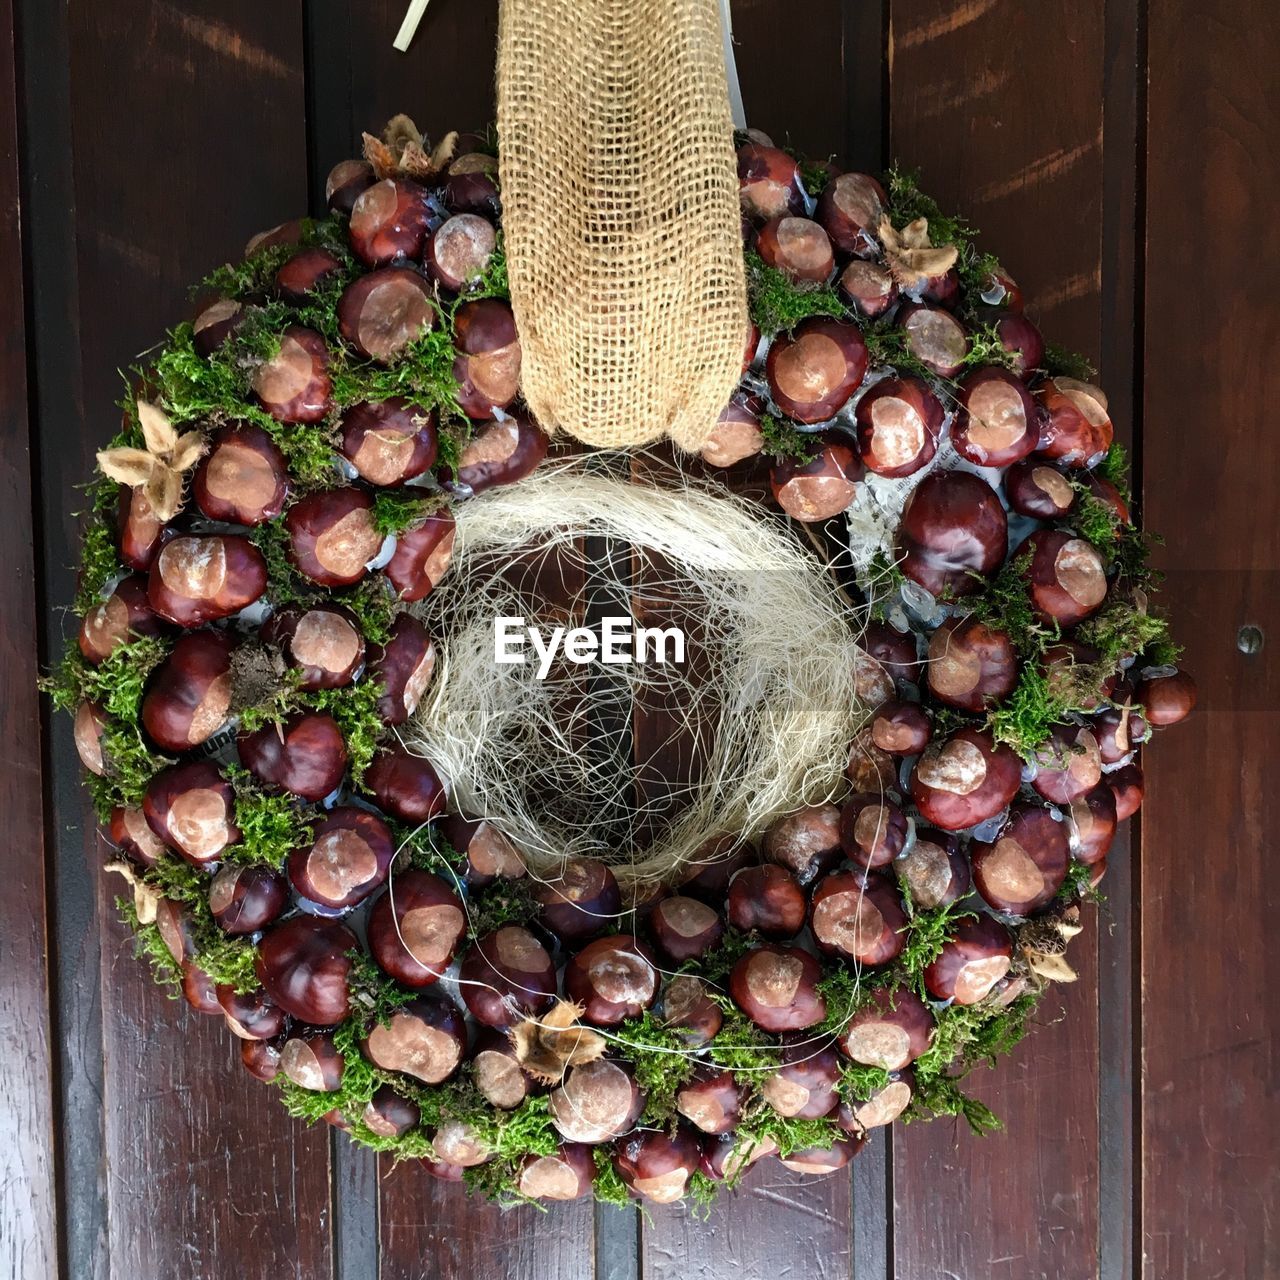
{"x": 409, "y": 27}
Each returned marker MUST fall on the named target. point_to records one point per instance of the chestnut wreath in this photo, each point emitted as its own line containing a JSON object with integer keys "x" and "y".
{"x": 282, "y": 489}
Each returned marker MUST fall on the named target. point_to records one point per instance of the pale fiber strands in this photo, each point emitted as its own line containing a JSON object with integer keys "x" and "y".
{"x": 767, "y": 693}
{"x": 621, "y": 217}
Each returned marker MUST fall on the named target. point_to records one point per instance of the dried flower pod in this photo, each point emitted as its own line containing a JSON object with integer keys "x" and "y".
{"x": 597, "y": 1102}
{"x": 768, "y": 182}
{"x": 345, "y": 183}
{"x": 487, "y": 365}
{"x": 502, "y": 453}
{"x": 814, "y": 370}
{"x": 244, "y": 900}
{"x": 214, "y": 324}
{"x": 304, "y": 964}
{"x": 382, "y": 313}
{"x": 294, "y": 385}
{"x": 797, "y": 247}
{"x": 777, "y": 988}
{"x": 390, "y": 1115}
{"x": 261, "y": 1059}
{"x": 422, "y": 557}
{"x": 806, "y": 842}
{"x": 1036, "y": 489}
{"x": 198, "y": 990}
{"x": 935, "y": 869}
{"x": 868, "y": 288}
{"x": 425, "y": 1039}
{"x": 322, "y": 642}
{"x": 1066, "y": 576}
{"x": 858, "y": 916}
{"x": 253, "y": 1016}
{"x": 189, "y": 694}
{"x": 304, "y": 754}
{"x": 658, "y": 1165}
{"x": 1024, "y": 342}
{"x": 1075, "y": 427}
{"x": 507, "y": 975}
{"x": 243, "y": 479}
{"x": 1128, "y": 788}
{"x": 736, "y": 435}
{"x": 1167, "y": 699}
{"x": 416, "y": 928}
{"x": 332, "y": 537}
{"x": 820, "y": 488}
{"x": 389, "y": 441}
{"x": 1025, "y": 865}
{"x": 899, "y": 420}
{"x": 803, "y": 1085}
{"x": 200, "y": 579}
{"x": 583, "y": 899}
{"x": 964, "y": 779}
{"x": 873, "y": 831}
{"x": 996, "y": 423}
{"x": 191, "y": 808}
{"x": 684, "y": 928}
{"x": 1093, "y": 822}
{"x": 489, "y": 853}
{"x": 971, "y": 665}
{"x": 459, "y": 250}
{"x": 300, "y": 276}
{"x": 1068, "y": 764}
{"x": 405, "y": 786}
{"x": 952, "y": 528}
{"x": 389, "y": 220}
{"x": 689, "y": 1011}
{"x": 850, "y": 209}
{"x": 121, "y": 618}
{"x": 403, "y": 666}
{"x": 901, "y": 728}
{"x": 819, "y": 1161}
{"x": 712, "y": 1101}
{"x": 569, "y": 1174}
{"x": 472, "y": 184}
{"x": 891, "y": 1029}
{"x": 141, "y": 532}
{"x": 613, "y": 979}
{"x": 348, "y": 858}
{"x": 971, "y": 962}
{"x": 935, "y": 337}
{"x": 90, "y": 725}
{"x": 768, "y": 900}
{"x": 129, "y": 832}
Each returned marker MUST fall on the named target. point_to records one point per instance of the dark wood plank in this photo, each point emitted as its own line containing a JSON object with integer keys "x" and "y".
{"x": 968, "y": 110}
{"x": 1210, "y": 1109}
{"x": 28, "y": 1237}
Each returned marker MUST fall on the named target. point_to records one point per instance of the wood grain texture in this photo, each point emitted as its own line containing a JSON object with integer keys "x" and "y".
{"x": 1023, "y": 1203}
{"x": 1210, "y": 1108}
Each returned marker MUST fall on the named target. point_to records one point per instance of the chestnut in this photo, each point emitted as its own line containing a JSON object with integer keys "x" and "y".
{"x": 768, "y": 900}
{"x": 806, "y": 842}
{"x": 389, "y": 220}
{"x": 797, "y": 247}
{"x": 426, "y": 1039}
{"x": 332, "y": 536}
{"x": 303, "y": 964}
{"x": 1167, "y": 699}
{"x": 736, "y": 435}
{"x": 130, "y": 833}
{"x": 309, "y": 269}
{"x": 389, "y": 441}
{"x": 198, "y": 990}
{"x": 496, "y": 1071}
{"x": 976, "y": 956}
{"x": 935, "y": 870}
{"x": 243, "y": 479}
{"x": 684, "y": 928}
{"x": 896, "y": 651}
{"x": 294, "y": 385}
{"x": 858, "y": 916}
{"x": 189, "y": 694}
{"x": 1118, "y": 732}
{"x": 869, "y": 769}
{"x": 191, "y": 808}
{"x": 580, "y": 901}
{"x": 277, "y": 237}
{"x": 868, "y": 288}
{"x": 942, "y": 290}
{"x": 346, "y": 180}
{"x": 444, "y": 1172}
{"x": 752, "y": 345}
{"x": 416, "y": 927}
{"x": 935, "y": 337}
{"x": 141, "y": 531}
{"x": 1066, "y": 577}
{"x": 1062, "y": 664}
{"x": 305, "y": 755}
{"x": 507, "y": 975}
{"x": 1001, "y": 294}
{"x": 487, "y": 365}
{"x": 690, "y": 1012}
{"x": 726, "y": 1156}
{"x": 349, "y": 857}
{"x": 244, "y": 900}
{"x": 422, "y": 557}
{"x": 813, "y": 371}
{"x": 1093, "y": 822}
{"x": 321, "y": 642}
{"x": 1075, "y": 425}
{"x": 880, "y": 1106}
{"x": 405, "y": 786}
{"x": 1023, "y": 341}
{"x": 1127, "y": 787}
{"x": 200, "y": 579}
{"x": 712, "y": 1101}
{"x": 1106, "y": 493}
{"x": 261, "y": 1059}
{"x": 899, "y": 420}
{"x": 849, "y": 209}
{"x": 597, "y": 1102}
{"x": 214, "y": 324}
{"x": 658, "y": 1165}
{"x": 901, "y": 728}
{"x": 1025, "y": 864}
{"x": 613, "y": 979}
{"x": 252, "y": 1016}
{"x": 820, "y": 488}
{"x": 177, "y": 930}
{"x": 390, "y": 1115}
{"x": 569, "y": 1174}
{"x": 803, "y": 1085}
{"x": 953, "y": 533}
{"x": 472, "y": 184}
{"x": 964, "y": 780}
{"x": 872, "y": 682}
{"x": 890, "y": 1029}
{"x": 1068, "y": 764}
{"x": 822, "y": 1160}
{"x": 403, "y": 666}
{"x": 122, "y": 617}
{"x": 1036, "y": 489}
{"x": 768, "y": 182}
{"x": 970, "y": 665}
{"x": 489, "y": 853}
{"x": 502, "y": 453}
{"x": 996, "y": 421}
{"x": 873, "y": 831}
{"x": 714, "y": 863}
{"x": 382, "y": 313}
{"x": 88, "y": 731}
{"x": 777, "y": 988}
{"x": 459, "y": 250}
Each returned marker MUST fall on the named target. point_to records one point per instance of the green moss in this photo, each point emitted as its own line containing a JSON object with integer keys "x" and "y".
{"x": 777, "y": 304}
{"x": 1023, "y": 721}
{"x": 859, "y": 1082}
{"x": 715, "y": 966}
{"x": 701, "y": 1193}
{"x": 1077, "y": 887}
{"x": 609, "y": 1187}
{"x": 814, "y": 175}
{"x": 1004, "y": 604}
{"x": 501, "y": 903}
{"x": 740, "y": 1046}
{"x": 782, "y": 440}
{"x": 887, "y": 347}
{"x": 1119, "y": 630}
{"x": 99, "y": 561}
{"x": 907, "y": 203}
{"x": 1058, "y": 362}
{"x": 942, "y": 1096}
{"x": 845, "y": 992}
{"x": 271, "y": 826}
{"x": 395, "y": 510}
{"x": 116, "y": 685}
{"x": 1114, "y": 468}
{"x": 986, "y": 348}
{"x": 130, "y": 766}
{"x": 422, "y": 374}
{"x": 661, "y": 1064}
{"x": 494, "y": 281}
{"x": 761, "y": 1121}
{"x": 148, "y": 945}
{"x": 374, "y": 996}
{"x": 926, "y": 933}
{"x": 1096, "y": 520}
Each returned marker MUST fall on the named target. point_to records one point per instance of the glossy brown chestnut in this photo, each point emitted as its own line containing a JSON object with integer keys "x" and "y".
{"x": 777, "y": 988}
{"x": 891, "y": 1029}
{"x": 346, "y": 180}
{"x": 300, "y": 276}
{"x": 405, "y": 786}
{"x": 244, "y": 900}
{"x": 1119, "y": 732}
{"x": 422, "y": 557}
{"x": 1024, "y": 866}
{"x": 487, "y": 365}
{"x": 426, "y": 1039}
{"x": 803, "y": 1085}
{"x": 332, "y": 536}
{"x": 189, "y": 694}
{"x": 348, "y": 858}
{"x": 472, "y": 184}
{"x": 767, "y": 900}
{"x": 459, "y": 250}
{"x": 198, "y": 990}
{"x": 726, "y": 1156}
{"x": 714, "y": 863}
{"x": 243, "y": 479}
{"x": 658, "y": 1165}
{"x": 502, "y": 453}
{"x": 798, "y": 247}
{"x": 868, "y": 288}
{"x": 806, "y": 842}
{"x": 1068, "y": 764}
{"x": 1167, "y": 699}
{"x": 996, "y": 422}
{"x": 390, "y": 441}
{"x": 850, "y": 209}
{"x": 942, "y": 290}
{"x": 389, "y": 220}
{"x": 321, "y": 642}
{"x": 191, "y": 808}
{"x": 253, "y": 1016}
{"x": 304, "y": 964}
{"x": 390, "y": 1115}
{"x": 895, "y": 650}
{"x": 1024, "y": 342}
{"x": 901, "y": 728}
{"x": 199, "y": 579}
{"x": 496, "y": 1071}
{"x": 123, "y": 616}
{"x": 687, "y": 1008}
{"x": 873, "y": 830}
{"x": 294, "y": 384}
{"x": 403, "y": 666}
{"x": 935, "y": 870}
{"x": 898, "y": 424}
{"x": 972, "y": 961}
{"x": 613, "y": 979}
{"x": 736, "y": 435}
{"x": 305, "y": 755}
{"x": 1093, "y": 822}
{"x": 416, "y": 927}
{"x": 1075, "y": 426}
{"x": 215, "y": 322}
{"x": 507, "y": 975}
{"x": 597, "y": 1102}
{"x": 176, "y": 929}
{"x": 970, "y": 665}
{"x": 768, "y": 182}
{"x": 820, "y": 488}
{"x": 278, "y": 237}
{"x": 1127, "y": 787}
{"x": 869, "y": 769}
{"x": 935, "y": 337}
{"x": 858, "y": 916}
{"x": 489, "y": 853}
{"x": 382, "y": 313}
{"x": 953, "y": 532}
{"x": 813, "y": 371}
{"x": 877, "y": 1107}
{"x": 569, "y": 1174}
{"x": 1035, "y": 488}
{"x": 684, "y": 928}
{"x": 580, "y": 901}
{"x": 819, "y": 1161}
{"x": 964, "y": 779}
{"x": 1066, "y": 576}
{"x": 1072, "y": 671}
{"x": 130, "y": 833}
{"x": 712, "y": 1101}
{"x": 261, "y": 1059}
{"x": 141, "y": 533}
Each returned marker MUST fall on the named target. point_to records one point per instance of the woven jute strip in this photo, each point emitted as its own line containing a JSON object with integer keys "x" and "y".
{"x": 620, "y": 211}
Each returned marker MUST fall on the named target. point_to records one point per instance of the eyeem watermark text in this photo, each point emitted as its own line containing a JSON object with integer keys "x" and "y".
{"x": 618, "y": 643}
